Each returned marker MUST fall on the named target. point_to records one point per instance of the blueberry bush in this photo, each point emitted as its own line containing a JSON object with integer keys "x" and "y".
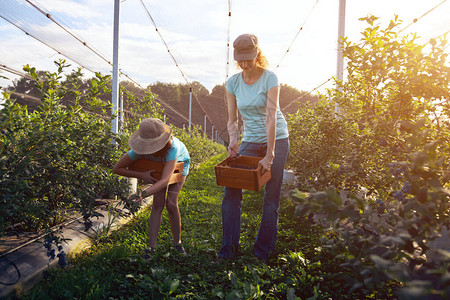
{"x": 56, "y": 160}
{"x": 377, "y": 172}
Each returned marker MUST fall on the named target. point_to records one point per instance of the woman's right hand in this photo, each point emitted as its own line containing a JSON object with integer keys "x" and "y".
{"x": 233, "y": 149}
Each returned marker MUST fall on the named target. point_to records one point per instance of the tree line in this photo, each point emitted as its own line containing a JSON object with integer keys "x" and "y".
{"x": 174, "y": 98}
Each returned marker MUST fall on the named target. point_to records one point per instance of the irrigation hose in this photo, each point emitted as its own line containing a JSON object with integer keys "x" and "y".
{"x": 3, "y": 255}
{"x": 15, "y": 267}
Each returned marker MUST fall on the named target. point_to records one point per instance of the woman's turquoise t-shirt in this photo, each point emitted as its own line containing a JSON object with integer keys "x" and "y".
{"x": 178, "y": 151}
{"x": 251, "y": 101}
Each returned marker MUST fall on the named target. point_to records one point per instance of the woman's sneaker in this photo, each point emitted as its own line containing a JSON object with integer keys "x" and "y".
{"x": 148, "y": 253}
{"x": 180, "y": 249}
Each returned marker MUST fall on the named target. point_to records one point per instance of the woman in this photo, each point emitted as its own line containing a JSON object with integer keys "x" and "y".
{"x": 154, "y": 141}
{"x": 254, "y": 92}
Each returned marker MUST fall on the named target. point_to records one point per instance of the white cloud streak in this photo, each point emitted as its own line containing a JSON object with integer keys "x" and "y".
{"x": 196, "y": 33}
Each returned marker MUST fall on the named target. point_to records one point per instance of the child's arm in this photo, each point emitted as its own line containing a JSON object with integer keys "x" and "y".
{"x": 169, "y": 168}
{"x": 121, "y": 168}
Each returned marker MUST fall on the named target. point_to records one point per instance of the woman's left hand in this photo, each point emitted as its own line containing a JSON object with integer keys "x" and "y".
{"x": 265, "y": 163}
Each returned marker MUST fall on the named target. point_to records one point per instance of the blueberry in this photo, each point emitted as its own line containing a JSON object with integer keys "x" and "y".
{"x": 52, "y": 254}
{"x": 62, "y": 259}
{"x": 397, "y": 171}
{"x": 407, "y": 188}
{"x": 399, "y": 196}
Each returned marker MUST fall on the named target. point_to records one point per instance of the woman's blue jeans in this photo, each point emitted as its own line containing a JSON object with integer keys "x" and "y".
{"x": 231, "y": 204}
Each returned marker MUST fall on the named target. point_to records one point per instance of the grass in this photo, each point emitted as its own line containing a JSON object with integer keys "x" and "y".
{"x": 114, "y": 269}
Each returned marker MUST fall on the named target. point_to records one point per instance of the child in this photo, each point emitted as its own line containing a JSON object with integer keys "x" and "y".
{"x": 154, "y": 141}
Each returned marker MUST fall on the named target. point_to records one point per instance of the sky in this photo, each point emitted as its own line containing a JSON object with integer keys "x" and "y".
{"x": 196, "y": 33}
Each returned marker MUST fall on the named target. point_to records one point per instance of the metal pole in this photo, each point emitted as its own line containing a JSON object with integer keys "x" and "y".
{"x": 122, "y": 117}
{"x": 115, "y": 74}
{"x": 190, "y": 107}
{"x": 204, "y": 127}
{"x": 340, "y": 59}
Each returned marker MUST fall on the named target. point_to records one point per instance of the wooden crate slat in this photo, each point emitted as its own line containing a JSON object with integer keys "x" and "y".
{"x": 243, "y": 174}
{"x": 234, "y": 182}
{"x": 143, "y": 165}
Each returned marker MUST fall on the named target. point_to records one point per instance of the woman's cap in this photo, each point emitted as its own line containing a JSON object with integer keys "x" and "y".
{"x": 151, "y": 136}
{"x": 245, "y": 47}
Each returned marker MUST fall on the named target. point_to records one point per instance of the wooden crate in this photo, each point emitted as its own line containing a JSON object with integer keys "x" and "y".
{"x": 242, "y": 172}
{"x": 143, "y": 165}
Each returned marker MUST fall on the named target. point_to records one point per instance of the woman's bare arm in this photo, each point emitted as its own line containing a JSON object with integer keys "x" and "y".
{"x": 232, "y": 124}
{"x": 271, "y": 125}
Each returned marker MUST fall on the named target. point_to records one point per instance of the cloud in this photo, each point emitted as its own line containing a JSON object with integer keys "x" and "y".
{"x": 197, "y": 31}
{"x": 67, "y": 9}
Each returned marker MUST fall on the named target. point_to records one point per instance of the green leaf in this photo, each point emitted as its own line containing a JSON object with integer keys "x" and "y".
{"x": 380, "y": 262}
{"x": 291, "y": 294}
{"x": 174, "y": 285}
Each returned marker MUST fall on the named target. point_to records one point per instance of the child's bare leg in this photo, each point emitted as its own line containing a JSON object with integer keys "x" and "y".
{"x": 159, "y": 200}
{"x": 173, "y": 210}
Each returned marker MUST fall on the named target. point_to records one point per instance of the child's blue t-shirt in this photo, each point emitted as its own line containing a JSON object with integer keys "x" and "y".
{"x": 251, "y": 101}
{"x": 178, "y": 151}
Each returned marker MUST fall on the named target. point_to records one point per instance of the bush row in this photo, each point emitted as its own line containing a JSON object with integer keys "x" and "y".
{"x": 388, "y": 150}
{"x": 56, "y": 160}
